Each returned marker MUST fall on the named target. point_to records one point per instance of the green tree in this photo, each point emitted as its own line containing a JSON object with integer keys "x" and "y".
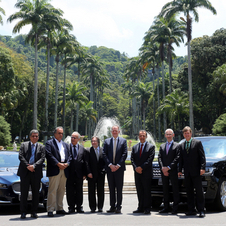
{"x": 32, "y": 13}
{"x": 143, "y": 91}
{"x": 5, "y": 135}
{"x": 219, "y": 127}
{"x": 187, "y": 7}
{"x": 176, "y": 105}
{"x": 3, "y": 12}
{"x": 75, "y": 96}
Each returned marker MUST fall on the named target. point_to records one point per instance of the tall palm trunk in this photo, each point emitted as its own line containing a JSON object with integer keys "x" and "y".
{"x": 154, "y": 124}
{"x": 71, "y": 121}
{"x": 36, "y": 84}
{"x": 163, "y": 95}
{"x": 191, "y": 118}
{"x": 64, "y": 89}
{"x": 47, "y": 92}
{"x": 170, "y": 71}
{"x": 159, "y": 125}
{"x": 56, "y": 93}
{"x": 77, "y": 111}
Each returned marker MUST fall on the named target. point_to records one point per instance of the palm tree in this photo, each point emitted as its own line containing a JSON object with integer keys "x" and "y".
{"x": 75, "y": 96}
{"x": 186, "y": 7}
{"x": 90, "y": 113}
{"x": 60, "y": 40}
{"x": 176, "y": 105}
{"x": 33, "y": 13}
{"x": 78, "y": 58}
{"x": 55, "y": 22}
{"x": 143, "y": 91}
{"x": 3, "y": 12}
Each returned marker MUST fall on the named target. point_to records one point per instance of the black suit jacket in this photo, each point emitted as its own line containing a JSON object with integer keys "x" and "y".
{"x": 172, "y": 158}
{"x": 93, "y": 166}
{"x": 147, "y": 156}
{"x": 194, "y": 160}
{"x": 121, "y": 152}
{"x": 53, "y": 157}
{"x": 24, "y": 157}
{"x": 78, "y": 164}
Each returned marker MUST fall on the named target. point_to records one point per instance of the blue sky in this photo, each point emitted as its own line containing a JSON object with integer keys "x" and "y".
{"x": 119, "y": 24}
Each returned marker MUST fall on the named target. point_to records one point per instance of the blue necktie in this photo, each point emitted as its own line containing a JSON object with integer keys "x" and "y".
{"x": 32, "y": 158}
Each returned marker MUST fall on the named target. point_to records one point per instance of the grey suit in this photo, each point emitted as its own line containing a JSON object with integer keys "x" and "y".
{"x": 29, "y": 178}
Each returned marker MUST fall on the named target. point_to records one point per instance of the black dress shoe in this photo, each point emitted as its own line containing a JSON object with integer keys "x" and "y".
{"x": 118, "y": 211}
{"x": 100, "y": 210}
{"x": 62, "y": 212}
{"x": 93, "y": 211}
{"x": 80, "y": 210}
{"x": 202, "y": 214}
{"x": 70, "y": 211}
{"x": 138, "y": 211}
{"x": 111, "y": 210}
{"x": 174, "y": 212}
{"x": 50, "y": 214}
{"x": 164, "y": 210}
{"x": 191, "y": 213}
{"x": 147, "y": 212}
{"x": 23, "y": 215}
{"x": 34, "y": 215}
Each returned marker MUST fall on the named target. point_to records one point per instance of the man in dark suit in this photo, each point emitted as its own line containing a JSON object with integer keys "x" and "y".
{"x": 77, "y": 172}
{"x": 58, "y": 159}
{"x": 114, "y": 154}
{"x": 193, "y": 160}
{"x": 32, "y": 156}
{"x": 142, "y": 156}
{"x": 95, "y": 175}
{"x": 168, "y": 158}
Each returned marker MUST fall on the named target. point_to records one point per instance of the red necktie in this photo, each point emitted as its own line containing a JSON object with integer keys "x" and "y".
{"x": 141, "y": 149}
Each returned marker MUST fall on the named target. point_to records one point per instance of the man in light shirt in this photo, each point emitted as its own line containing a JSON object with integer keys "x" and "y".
{"x": 58, "y": 159}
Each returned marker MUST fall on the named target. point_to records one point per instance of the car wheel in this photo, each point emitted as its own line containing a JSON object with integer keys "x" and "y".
{"x": 221, "y": 195}
{"x": 156, "y": 202}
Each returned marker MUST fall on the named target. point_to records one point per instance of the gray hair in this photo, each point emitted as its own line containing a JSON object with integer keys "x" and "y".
{"x": 77, "y": 133}
{"x": 115, "y": 126}
{"x": 98, "y": 139}
{"x": 33, "y": 131}
{"x": 169, "y": 130}
{"x": 59, "y": 127}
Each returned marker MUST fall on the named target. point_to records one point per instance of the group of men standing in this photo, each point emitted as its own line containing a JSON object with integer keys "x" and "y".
{"x": 69, "y": 165}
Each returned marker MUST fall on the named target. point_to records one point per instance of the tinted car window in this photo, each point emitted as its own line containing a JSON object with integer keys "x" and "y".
{"x": 214, "y": 147}
{"x": 8, "y": 160}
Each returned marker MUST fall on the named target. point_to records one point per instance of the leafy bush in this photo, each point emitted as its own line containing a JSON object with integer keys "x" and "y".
{"x": 5, "y": 135}
{"x": 219, "y": 128}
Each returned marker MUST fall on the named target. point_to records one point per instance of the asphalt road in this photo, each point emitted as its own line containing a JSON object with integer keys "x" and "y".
{"x": 11, "y": 216}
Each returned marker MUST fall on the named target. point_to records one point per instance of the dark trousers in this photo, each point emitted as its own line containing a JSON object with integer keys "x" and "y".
{"x": 74, "y": 191}
{"x": 190, "y": 184}
{"x": 115, "y": 183}
{"x": 143, "y": 187}
{"x": 173, "y": 177}
{"x": 93, "y": 186}
{"x": 25, "y": 182}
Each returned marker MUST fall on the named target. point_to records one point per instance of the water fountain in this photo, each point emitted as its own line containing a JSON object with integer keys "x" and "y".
{"x": 103, "y": 128}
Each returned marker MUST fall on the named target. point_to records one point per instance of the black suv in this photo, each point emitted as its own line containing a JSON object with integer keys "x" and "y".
{"x": 213, "y": 181}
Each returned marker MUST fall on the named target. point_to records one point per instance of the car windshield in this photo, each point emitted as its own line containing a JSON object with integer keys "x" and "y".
{"x": 214, "y": 147}
{"x": 9, "y": 160}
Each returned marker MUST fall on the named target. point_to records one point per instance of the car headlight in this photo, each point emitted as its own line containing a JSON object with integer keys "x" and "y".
{"x": 3, "y": 185}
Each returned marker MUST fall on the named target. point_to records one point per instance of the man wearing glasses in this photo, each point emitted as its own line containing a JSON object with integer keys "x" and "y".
{"x": 32, "y": 156}
{"x": 58, "y": 159}
{"x": 77, "y": 172}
